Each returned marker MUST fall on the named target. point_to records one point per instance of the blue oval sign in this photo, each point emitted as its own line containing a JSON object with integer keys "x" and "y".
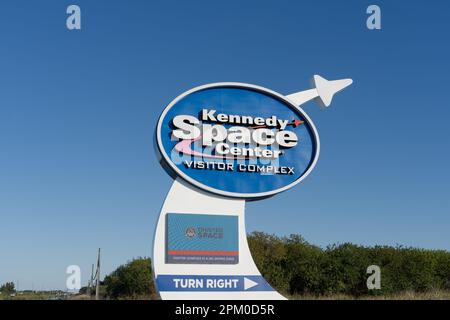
{"x": 237, "y": 140}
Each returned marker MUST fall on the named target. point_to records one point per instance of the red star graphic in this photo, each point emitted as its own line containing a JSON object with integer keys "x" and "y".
{"x": 296, "y": 123}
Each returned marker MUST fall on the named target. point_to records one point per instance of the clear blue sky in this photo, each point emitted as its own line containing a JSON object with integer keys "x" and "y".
{"x": 78, "y": 110}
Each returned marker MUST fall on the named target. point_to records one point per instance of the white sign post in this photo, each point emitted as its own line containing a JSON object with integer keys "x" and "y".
{"x": 200, "y": 245}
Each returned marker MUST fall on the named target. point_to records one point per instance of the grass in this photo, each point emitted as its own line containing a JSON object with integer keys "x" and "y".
{"x": 407, "y": 295}
{"x": 37, "y": 295}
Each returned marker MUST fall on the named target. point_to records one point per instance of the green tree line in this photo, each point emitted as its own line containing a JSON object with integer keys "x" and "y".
{"x": 294, "y": 266}
{"x": 133, "y": 280}
{"x": 7, "y": 288}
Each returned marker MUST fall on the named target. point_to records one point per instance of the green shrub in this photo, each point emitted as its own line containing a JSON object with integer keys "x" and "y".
{"x": 132, "y": 280}
{"x": 292, "y": 265}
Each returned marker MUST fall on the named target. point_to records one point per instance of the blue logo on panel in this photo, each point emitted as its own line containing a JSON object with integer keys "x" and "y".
{"x": 237, "y": 140}
{"x": 202, "y": 239}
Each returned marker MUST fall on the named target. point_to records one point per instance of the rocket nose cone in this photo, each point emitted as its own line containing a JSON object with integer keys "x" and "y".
{"x": 326, "y": 89}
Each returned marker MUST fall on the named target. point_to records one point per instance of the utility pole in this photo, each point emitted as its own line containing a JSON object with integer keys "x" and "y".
{"x": 97, "y": 288}
{"x": 91, "y": 282}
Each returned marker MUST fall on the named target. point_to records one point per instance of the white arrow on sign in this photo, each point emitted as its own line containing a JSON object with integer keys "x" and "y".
{"x": 249, "y": 283}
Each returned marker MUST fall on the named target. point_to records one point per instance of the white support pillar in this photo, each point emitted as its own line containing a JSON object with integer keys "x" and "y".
{"x": 250, "y": 285}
